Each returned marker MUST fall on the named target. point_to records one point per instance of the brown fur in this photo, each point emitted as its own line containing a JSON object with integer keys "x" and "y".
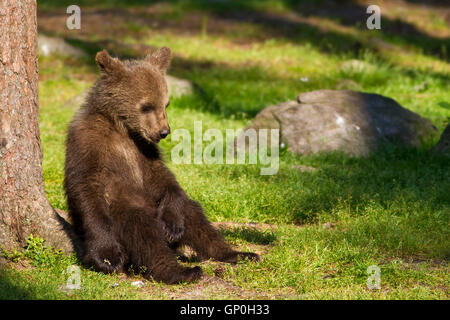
{"x": 124, "y": 202}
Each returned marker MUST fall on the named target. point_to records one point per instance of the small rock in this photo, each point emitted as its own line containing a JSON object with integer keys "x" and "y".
{"x": 179, "y": 87}
{"x": 138, "y": 284}
{"x": 114, "y": 285}
{"x": 328, "y": 225}
{"x": 52, "y": 45}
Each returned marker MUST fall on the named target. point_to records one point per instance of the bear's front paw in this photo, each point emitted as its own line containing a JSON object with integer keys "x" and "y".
{"x": 173, "y": 226}
{"x": 106, "y": 258}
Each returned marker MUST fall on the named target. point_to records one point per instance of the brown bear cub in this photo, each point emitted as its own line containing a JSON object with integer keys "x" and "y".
{"x": 125, "y": 204}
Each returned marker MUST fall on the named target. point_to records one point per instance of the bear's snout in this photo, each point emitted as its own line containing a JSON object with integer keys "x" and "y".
{"x": 164, "y": 133}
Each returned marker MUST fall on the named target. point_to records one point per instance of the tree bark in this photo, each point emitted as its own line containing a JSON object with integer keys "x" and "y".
{"x": 24, "y": 207}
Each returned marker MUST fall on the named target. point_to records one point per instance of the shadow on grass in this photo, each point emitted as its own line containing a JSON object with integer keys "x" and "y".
{"x": 252, "y": 235}
{"x": 11, "y": 291}
{"x": 347, "y": 13}
{"x": 444, "y": 105}
{"x": 292, "y": 26}
{"x": 350, "y": 13}
{"x": 394, "y": 179}
{"x": 199, "y": 17}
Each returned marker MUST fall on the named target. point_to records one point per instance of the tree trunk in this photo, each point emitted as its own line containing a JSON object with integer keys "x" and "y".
{"x": 24, "y": 207}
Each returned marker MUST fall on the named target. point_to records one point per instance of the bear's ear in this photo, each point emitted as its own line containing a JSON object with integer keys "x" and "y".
{"x": 160, "y": 58}
{"x": 108, "y": 64}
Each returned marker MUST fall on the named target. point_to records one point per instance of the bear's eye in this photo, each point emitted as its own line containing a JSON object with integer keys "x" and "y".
{"x": 146, "y": 108}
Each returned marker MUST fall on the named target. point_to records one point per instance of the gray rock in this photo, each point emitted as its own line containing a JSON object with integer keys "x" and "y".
{"x": 52, "y": 45}
{"x": 179, "y": 87}
{"x": 443, "y": 145}
{"x": 348, "y": 121}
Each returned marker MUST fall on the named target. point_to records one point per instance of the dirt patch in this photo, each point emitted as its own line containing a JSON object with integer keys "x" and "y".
{"x": 20, "y": 265}
{"x": 209, "y": 287}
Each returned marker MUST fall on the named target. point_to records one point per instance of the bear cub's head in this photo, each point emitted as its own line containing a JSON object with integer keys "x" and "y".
{"x": 134, "y": 93}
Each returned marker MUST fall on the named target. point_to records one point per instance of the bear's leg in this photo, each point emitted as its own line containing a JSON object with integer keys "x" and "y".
{"x": 105, "y": 255}
{"x": 206, "y": 240}
{"x": 144, "y": 240}
{"x": 103, "y": 251}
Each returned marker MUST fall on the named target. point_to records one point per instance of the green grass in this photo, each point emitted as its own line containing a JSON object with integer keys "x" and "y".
{"x": 390, "y": 209}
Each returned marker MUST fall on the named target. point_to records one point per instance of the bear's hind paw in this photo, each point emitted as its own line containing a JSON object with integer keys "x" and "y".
{"x": 239, "y": 256}
{"x": 186, "y": 275}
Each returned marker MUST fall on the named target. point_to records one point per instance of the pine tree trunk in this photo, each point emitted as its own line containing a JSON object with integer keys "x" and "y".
{"x": 24, "y": 207}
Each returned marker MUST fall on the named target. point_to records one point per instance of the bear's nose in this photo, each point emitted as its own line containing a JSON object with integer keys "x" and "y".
{"x": 164, "y": 133}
